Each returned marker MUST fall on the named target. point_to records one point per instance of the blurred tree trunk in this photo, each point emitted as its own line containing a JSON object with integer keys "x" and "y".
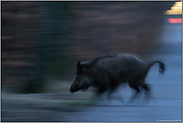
{"x": 33, "y": 44}
{"x": 20, "y": 56}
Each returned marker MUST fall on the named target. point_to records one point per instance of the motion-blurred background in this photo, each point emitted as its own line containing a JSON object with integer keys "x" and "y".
{"x": 42, "y": 42}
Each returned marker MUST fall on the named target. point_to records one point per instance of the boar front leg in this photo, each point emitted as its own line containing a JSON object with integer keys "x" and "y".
{"x": 111, "y": 91}
{"x": 98, "y": 92}
{"x": 97, "y": 98}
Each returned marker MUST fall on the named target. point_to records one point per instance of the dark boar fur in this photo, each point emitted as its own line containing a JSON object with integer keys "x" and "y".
{"x": 107, "y": 72}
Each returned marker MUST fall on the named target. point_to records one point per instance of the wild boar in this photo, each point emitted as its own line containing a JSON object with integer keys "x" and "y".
{"x": 107, "y": 72}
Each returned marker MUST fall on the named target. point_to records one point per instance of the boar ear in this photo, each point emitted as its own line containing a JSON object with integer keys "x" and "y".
{"x": 83, "y": 66}
{"x": 79, "y": 66}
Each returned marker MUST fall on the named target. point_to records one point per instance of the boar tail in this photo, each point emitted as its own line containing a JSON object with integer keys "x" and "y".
{"x": 161, "y": 66}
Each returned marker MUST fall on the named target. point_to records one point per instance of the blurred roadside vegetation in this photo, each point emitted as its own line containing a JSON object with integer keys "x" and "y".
{"x": 42, "y": 41}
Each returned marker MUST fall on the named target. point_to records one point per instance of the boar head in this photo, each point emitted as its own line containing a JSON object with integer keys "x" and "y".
{"x": 82, "y": 81}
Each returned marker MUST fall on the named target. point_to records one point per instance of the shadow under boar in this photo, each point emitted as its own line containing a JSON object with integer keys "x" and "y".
{"x": 107, "y": 72}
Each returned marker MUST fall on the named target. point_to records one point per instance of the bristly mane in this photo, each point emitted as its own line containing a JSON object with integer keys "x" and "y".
{"x": 105, "y": 56}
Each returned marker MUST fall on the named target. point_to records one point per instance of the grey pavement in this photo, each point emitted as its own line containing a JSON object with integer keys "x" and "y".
{"x": 166, "y": 89}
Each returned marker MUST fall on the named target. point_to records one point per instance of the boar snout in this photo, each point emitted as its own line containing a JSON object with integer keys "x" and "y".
{"x": 71, "y": 89}
{"x": 74, "y": 88}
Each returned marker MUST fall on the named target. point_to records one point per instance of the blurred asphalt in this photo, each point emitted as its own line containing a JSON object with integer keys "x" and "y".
{"x": 166, "y": 89}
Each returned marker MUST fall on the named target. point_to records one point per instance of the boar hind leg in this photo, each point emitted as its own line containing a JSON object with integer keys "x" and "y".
{"x": 136, "y": 88}
{"x": 148, "y": 94}
{"x": 147, "y": 91}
